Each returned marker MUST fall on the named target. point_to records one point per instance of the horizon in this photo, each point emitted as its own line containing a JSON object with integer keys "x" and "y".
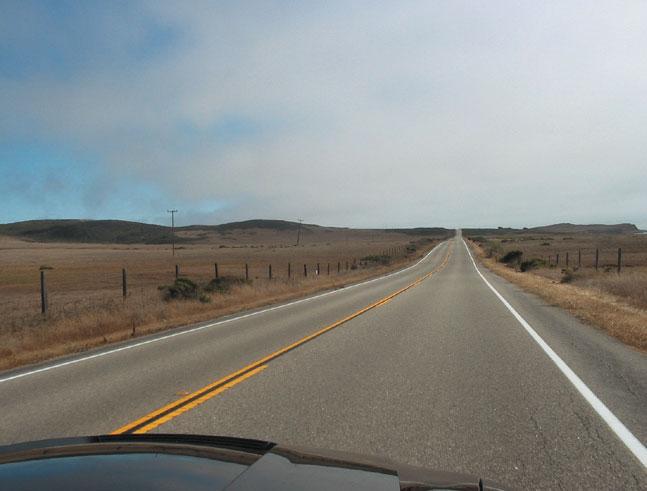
{"x": 181, "y": 225}
{"x": 374, "y": 115}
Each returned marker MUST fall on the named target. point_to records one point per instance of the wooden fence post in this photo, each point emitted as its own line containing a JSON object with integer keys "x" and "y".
{"x": 270, "y": 271}
{"x": 619, "y": 259}
{"x": 246, "y": 272}
{"x": 124, "y": 284}
{"x": 177, "y": 271}
{"x": 289, "y": 270}
{"x": 305, "y": 270}
{"x": 579, "y": 258}
{"x": 567, "y": 259}
{"x": 318, "y": 270}
{"x": 328, "y": 269}
{"x": 338, "y": 266}
{"x": 43, "y": 293}
{"x": 597, "y": 257}
{"x": 557, "y": 259}
{"x": 215, "y": 269}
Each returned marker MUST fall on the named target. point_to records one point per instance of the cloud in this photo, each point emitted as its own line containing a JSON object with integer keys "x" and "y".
{"x": 372, "y": 114}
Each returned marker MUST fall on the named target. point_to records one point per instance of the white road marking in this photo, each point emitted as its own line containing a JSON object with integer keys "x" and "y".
{"x": 621, "y": 431}
{"x": 200, "y": 328}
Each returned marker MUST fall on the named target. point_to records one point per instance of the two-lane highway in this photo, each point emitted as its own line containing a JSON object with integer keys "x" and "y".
{"x": 443, "y": 374}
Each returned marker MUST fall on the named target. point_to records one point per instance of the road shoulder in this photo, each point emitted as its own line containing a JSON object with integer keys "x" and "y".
{"x": 615, "y": 372}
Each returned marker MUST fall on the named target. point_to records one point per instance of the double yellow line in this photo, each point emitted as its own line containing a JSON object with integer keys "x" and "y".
{"x": 174, "y": 409}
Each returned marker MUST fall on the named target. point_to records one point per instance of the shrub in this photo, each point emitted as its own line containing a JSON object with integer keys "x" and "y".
{"x": 185, "y": 289}
{"x": 533, "y": 263}
{"x": 181, "y": 289}
{"x": 567, "y": 276}
{"x": 380, "y": 259}
{"x": 492, "y": 248}
{"x": 545, "y": 243}
{"x": 411, "y": 248}
{"x": 511, "y": 256}
{"x": 224, "y": 284}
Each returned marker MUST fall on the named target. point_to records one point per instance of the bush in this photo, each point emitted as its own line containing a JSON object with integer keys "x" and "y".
{"x": 185, "y": 289}
{"x": 511, "y": 256}
{"x": 545, "y": 243}
{"x": 181, "y": 289}
{"x": 533, "y": 263}
{"x": 492, "y": 248}
{"x": 224, "y": 284}
{"x": 380, "y": 259}
{"x": 567, "y": 276}
{"x": 411, "y": 248}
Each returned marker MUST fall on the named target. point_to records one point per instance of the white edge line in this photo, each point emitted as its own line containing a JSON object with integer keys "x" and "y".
{"x": 217, "y": 323}
{"x": 621, "y": 431}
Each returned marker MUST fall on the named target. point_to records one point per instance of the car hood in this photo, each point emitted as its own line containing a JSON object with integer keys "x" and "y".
{"x": 208, "y": 462}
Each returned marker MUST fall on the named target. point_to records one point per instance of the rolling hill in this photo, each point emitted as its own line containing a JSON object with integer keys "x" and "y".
{"x": 558, "y": 228}
{"x": 125, "y": 232}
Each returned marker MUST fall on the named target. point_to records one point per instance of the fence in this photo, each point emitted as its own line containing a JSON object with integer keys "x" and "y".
{"x": 290, "y": 271}
{"x": 587, "y": 258}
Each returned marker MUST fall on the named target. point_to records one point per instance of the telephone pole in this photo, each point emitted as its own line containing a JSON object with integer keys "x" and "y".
{"x": 172, "y": 212}
{"x": 299, "y": 231}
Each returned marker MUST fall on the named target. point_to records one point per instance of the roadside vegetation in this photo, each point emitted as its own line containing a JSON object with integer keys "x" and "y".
{"x": 86, "y": 307}
{"x": 613, "y": 301}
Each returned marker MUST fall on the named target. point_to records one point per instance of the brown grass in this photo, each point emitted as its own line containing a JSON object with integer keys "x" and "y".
{"x": 87, "y": 309}
{"x": 612, "y": 302}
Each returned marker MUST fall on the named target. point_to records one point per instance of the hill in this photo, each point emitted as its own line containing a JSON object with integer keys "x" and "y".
{"x": 558, "y": 228}
{"x": 88, "y": 231}
{"x": 125, "y": 232}
{"x": 569, "y": 228}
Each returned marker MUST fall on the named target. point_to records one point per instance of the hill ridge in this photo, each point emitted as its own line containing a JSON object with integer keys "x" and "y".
{"x": 130, "y": 232}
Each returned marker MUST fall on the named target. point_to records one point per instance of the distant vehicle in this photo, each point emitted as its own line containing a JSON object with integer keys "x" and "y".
{"x": 196, "y": 462}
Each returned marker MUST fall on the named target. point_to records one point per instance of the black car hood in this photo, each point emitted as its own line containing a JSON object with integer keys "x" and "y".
{"x": 204, "y": 462}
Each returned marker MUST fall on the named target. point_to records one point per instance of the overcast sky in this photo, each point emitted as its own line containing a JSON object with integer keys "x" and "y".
{"x": 343, "y": 113}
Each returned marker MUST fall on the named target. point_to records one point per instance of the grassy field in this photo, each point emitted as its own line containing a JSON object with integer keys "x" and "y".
{"x": 86, "y": 307}
{"x": 616, "y": 302}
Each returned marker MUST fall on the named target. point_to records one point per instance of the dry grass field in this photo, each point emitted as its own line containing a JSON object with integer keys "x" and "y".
{"x": 86, "y": 307}
{"x": 615, "y": 302}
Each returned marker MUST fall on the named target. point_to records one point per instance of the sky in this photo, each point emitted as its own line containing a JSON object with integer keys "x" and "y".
{"x": 349, "y": 113}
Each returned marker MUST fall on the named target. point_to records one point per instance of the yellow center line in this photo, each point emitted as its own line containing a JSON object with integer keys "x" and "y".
{"x": 182, "y": 409}
{"x": 190, "y": 401}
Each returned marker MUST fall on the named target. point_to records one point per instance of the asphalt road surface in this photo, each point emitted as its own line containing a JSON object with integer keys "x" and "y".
{"x": 443, "y": 374}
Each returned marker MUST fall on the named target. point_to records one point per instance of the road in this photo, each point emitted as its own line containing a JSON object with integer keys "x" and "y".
{"x": 443, "y": 374}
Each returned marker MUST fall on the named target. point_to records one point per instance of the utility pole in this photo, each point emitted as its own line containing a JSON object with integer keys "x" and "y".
{"x": 172, "y": 212}
{"x": 299, "y": 231}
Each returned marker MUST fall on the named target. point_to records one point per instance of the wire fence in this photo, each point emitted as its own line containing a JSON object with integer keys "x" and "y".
{"x": 66, "y": 286}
